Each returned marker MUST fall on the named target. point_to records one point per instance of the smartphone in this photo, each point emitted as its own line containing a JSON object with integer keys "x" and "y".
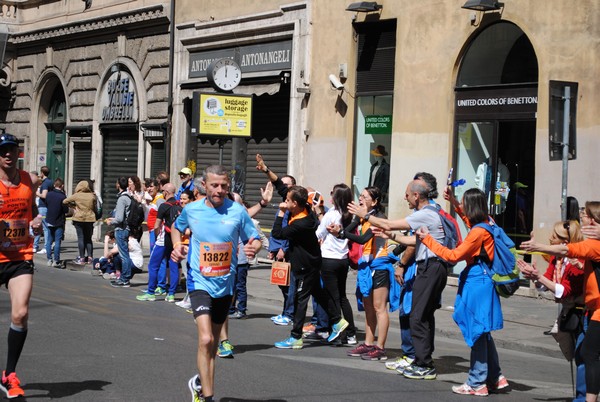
{"x": 316, "y": 198}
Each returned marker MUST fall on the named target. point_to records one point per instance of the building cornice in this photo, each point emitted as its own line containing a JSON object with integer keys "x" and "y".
{"x": 117, "y": 21}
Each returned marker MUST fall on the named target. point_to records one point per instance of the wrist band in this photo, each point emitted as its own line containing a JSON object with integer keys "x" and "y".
{"x": 261, "y": 204}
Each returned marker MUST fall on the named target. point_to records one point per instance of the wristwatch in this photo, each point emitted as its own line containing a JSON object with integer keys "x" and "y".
{"x": 367, "y": 216}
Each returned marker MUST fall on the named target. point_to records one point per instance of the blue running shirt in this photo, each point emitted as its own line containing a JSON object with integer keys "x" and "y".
{"x": 212, "y": 255}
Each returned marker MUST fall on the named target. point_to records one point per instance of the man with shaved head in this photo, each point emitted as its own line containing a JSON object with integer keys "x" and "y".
{"x": 163, "y": 246}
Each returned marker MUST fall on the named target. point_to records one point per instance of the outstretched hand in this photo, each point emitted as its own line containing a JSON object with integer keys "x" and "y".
{"x": 529, "y": 245}
{"x": 267, "y": 193}
{"x": 591, "y": 231}
{"x": 356, "y": 209}
{"x": 422, "y": 232}
{"x": 260, "y": 163}
{"x": 529, "y": 271}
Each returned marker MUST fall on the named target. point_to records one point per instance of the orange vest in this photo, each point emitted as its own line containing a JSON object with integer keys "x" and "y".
{"x": 15, "y": 214}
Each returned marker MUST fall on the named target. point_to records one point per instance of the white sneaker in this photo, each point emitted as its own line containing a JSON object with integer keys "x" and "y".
{"x": 351, "y": 341}
{"x": 402, "y": 361}
{"x": 42, "y": 251}
{"x": 184, "y": 304}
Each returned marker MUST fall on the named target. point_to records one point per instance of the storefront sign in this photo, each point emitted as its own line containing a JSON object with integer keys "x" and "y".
{"x": 501, "y": 101}
{"x": 378, "y": 124}
{"x": 262, "y": 57}
{"x": 119, "y": 100}
{"x": 222, "y": 115}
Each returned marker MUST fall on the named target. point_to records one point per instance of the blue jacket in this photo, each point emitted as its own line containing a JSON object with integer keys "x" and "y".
{"x": 364, "y": 280}
{"x": 477, "y": 307}
{"x": 56, "y": 209}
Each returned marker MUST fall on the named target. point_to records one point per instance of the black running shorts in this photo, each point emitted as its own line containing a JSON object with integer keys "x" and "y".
{"x": 203, "y": 303}
{"x": 13, "y": 269}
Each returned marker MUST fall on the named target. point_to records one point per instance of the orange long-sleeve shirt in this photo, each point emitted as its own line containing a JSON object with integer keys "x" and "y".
{"x": 589, "y": 250}
{"x": 468, "y": 250}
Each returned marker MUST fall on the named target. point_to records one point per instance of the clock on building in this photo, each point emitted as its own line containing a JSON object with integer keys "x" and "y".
{"x": 224, "y": 74}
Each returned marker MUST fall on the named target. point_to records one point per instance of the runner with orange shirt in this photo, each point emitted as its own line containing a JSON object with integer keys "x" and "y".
{"x": 17, "y": 210}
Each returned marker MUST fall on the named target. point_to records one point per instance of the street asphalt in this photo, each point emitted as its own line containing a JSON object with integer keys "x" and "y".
{"x": 525, "y": 318}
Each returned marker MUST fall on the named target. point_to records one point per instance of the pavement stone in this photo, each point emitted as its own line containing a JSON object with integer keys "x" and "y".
{"x": 525, "y": 317}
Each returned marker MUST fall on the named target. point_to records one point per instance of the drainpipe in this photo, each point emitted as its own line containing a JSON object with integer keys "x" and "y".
{"x": 169, "y": 123}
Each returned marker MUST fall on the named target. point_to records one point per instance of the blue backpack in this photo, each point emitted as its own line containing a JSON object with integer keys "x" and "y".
{"x": 452, "y": 237}
{"x": 505, "y": 273}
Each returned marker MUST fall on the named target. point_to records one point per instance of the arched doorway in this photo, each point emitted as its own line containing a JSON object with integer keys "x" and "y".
{"x": 495, "y": 123}
{"x": 56, "y": 135}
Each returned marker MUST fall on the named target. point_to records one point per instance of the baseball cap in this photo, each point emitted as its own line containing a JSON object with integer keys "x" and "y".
{"x": 8, "y": 139}
{"x": 186, "y": 171}
{"x": 379, "y": 151}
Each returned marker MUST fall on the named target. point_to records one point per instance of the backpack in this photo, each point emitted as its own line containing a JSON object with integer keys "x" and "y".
{"x": 97, "y": 208}
{"x": 504, "y": 270}
{"x": 171, "y": 215}
{"x": 135, "y": 218}
{"x": 452, "y": 236}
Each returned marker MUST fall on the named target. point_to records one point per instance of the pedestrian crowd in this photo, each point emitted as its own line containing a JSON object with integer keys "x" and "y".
{"x": 401, "y": 265}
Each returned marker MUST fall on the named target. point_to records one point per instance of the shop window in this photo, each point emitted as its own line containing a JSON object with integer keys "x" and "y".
{"x": 373, "y": 143}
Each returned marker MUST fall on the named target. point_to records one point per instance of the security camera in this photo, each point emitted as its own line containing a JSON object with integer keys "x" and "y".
{"x": 335, "y": 82}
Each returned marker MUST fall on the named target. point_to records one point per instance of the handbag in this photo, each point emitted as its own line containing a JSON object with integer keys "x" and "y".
{"x": 569, "y": 319}
{"x": 280, "y": 273}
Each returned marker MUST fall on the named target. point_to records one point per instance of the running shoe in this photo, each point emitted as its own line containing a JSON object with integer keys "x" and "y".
{"x": 376, "y": 353}
{"x": 184, "y": 304}
{"x": 415, "y": 372}
{"x": 315, "y": 335}
{"x": 337, "y": 329}
{"x": 159, "y": 291}
{"x": 350, "y": 341}
{"x": 466, "y": 389}
{"x": 237, "y": 315}
{"x": 111, "y": 276}
{"x": 11, "y": 386}
{"x": 50, "y": 262}
{"x": 170, "y": 298}
{"x": 282, "y": 320}
{"x": 360, "y": 350}
{"x": 79, "y": 261}
{"x": 120, "y": 284}
{"x": 42, "y": 251}
{"x": 195, "y": 388}
{"x": 289, "y": 343}
{"x": 145, "y": 297}
{"x": 500, "y": 383}
{"x": 402, "y": 361}
{"x": 225, "y": 349}
{"x": 59, "y": 265}
{"x": 310, "y": 327}
{"x": 276, "y": 317}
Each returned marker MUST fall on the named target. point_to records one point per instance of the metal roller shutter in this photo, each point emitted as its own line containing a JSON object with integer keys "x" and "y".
{"x": 376, "y": 56}
{"x": 82, "y": 160}
{"x": 120, "y": 158}
{"x": 158, "y": 158}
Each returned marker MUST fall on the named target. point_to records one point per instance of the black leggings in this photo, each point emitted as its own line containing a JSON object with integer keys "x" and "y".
{"x": 334, "y": 273}
{"x": 590, "y": 354}
{"x": 84, "y": 232}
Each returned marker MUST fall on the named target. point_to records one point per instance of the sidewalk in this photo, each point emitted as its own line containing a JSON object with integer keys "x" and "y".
{"x": 525, "y": 318}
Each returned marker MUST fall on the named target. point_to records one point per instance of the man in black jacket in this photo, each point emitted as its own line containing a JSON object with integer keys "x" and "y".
{"x": 55, "y": 219}
{"x": 305, "y": 260}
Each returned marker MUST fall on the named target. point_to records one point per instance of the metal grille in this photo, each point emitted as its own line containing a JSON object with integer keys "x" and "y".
{"x": 376, "y": 56}
{"x": 82, "y": 160}
{"x": 120, "y": 158}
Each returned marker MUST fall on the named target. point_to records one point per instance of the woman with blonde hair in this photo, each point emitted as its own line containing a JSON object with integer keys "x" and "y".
{"x": 564, "y": 278}
{"x": 84, "y": 203}
{"x": 589, "y": 250}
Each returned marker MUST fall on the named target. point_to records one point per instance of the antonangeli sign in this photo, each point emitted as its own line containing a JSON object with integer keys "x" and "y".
{"x": 119, "y": 100}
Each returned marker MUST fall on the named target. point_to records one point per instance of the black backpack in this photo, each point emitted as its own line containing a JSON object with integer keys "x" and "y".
{"x": 135, "y": 218}
{"x": 171, "y": 216}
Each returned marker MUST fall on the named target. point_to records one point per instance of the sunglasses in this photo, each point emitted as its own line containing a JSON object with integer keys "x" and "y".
{"x": 567, "y": 226}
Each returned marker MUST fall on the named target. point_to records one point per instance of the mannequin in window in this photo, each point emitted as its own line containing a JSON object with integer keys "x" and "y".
{"x": 379, "y": 176}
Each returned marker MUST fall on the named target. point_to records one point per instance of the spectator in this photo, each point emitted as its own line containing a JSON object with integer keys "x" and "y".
{"x": 187, "y": 183}
{"x": 477, "y": 309}
{"x": 83, "y": 201}
{"x": 42, "y": 191}
{"x": 119, "y": 220}
{"x": 55, "y": 219}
